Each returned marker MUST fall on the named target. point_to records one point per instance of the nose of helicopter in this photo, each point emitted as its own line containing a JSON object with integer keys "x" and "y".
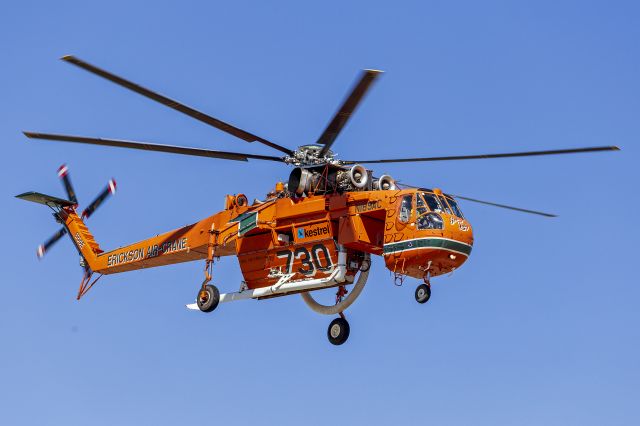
{"x": 432, "y": 252}
{"x": 450, "y": 249}
{"x": 457, "y": 241}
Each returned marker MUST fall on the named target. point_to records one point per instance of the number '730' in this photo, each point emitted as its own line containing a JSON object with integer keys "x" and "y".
{"x": 310, "y": 260}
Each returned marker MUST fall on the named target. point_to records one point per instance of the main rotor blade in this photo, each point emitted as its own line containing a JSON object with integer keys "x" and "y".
{"x": 43, "y": 248}
{"x": 489, "y": 203}
{"x": 483, "y": 156}
{"x": 349, "y": 105}
{"x": 109, "y": 190}
{"x": 151, "y": 147}
{"x": 198, "y": 115}
{"x": 504, "y": 206}
{"x": 63, "y": 173}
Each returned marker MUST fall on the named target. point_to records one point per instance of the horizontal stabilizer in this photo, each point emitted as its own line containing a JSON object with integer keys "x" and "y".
{"x": 47, "y": 200}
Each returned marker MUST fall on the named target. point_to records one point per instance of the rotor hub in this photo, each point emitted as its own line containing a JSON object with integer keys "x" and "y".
{"x": 310, "y": 155}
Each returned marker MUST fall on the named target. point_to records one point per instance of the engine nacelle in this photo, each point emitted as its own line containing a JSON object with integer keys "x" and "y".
{"x": 300, "y": 181}
{"x": 320, "y": 180}
{"x": 385, "y": 182}
{"x": 358, "y": 176}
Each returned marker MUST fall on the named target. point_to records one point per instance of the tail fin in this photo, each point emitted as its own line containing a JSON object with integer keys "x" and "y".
{"x": 65, "y": 213}
{"x": 72, "y": 225}
{"x": 81, "y": 237}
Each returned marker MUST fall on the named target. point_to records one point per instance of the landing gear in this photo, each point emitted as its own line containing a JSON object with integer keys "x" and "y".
{"x": 423, "y": 293}
{"x": 208, "y": 298}
{"x": 338, "y": 331}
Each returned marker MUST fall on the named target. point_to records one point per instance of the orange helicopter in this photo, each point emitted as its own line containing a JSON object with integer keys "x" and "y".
{"x": 316, "y": 231}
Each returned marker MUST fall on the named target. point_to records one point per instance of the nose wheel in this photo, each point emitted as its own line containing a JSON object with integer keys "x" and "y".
{"x": 423, "y": 293}
{"x": 338, "y": 331}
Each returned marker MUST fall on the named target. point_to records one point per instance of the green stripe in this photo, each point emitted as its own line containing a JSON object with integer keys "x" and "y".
{"x": 240, "y": 217}
{"x": 247, "y": 223}
{"x": 427, "y": 243}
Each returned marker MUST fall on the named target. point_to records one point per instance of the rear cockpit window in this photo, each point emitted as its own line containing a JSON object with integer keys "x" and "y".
{"x": 406, "y": 207}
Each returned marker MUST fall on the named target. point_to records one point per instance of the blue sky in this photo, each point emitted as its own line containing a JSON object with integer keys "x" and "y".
{"x": 540, "y": 326}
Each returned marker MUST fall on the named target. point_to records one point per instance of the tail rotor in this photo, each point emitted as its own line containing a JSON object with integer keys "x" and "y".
{"x": 63, "y": 174}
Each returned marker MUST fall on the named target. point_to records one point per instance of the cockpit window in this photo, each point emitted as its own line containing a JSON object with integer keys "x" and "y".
{"x": 445, "y": 205}
{"x": 406, "y": 208}
{"x": 432, "y": 202}
{"x": 455, "y": 208}
{"x": 438, "y": 204}
{"x": 421, "y": 206}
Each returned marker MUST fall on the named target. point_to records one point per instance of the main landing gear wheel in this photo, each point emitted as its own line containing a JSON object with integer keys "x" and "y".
{"x": 208, "y": 298}
{"x": 338, "y": 331}
{"x": 423, "y": 293}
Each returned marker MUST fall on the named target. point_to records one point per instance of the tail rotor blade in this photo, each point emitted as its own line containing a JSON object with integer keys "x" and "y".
{"x": 43, "y": 248}
{"x": 109, "y": 190}
{"x": 63, "y": 173}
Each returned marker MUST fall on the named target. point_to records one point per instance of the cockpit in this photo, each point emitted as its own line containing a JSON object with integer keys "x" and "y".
{"x": 429, "y": 205}
{"x": 437, "y": 203}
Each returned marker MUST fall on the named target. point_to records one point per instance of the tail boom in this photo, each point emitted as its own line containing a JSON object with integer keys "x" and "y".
{"x": 191, "y": 242}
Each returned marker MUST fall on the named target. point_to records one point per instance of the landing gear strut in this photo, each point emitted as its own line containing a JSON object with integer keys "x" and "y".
{"x": 209, "y": 295}
{"x": 338, "y": 331}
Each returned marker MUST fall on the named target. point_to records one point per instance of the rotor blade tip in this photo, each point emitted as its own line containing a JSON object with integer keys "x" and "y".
{"x": 67, "y": 57}
{"x": 63, "y": 170}
{"x": 40, "y": 251}
{"x": 112, "y": 186}
{"x": 28, "y": 134}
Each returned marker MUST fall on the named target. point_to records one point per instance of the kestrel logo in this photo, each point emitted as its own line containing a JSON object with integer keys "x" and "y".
{"x": 315, "y": 232}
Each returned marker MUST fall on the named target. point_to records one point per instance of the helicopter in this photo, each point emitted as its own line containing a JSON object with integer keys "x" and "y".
{"x": 317, "y": 230}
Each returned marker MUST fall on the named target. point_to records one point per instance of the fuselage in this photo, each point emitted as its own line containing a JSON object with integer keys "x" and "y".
{"x": 419, "y": 233}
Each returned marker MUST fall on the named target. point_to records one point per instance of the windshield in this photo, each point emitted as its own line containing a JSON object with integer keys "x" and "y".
{"x": 444, "y": 203}
{"x": 437, "y": 204}
{"x": 433, "y": 202}
{"x": 455, "y": 208}
{"x": 421, "y": 206}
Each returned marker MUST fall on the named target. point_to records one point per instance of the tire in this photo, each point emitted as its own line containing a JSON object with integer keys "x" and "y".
{"x": 338, "y": 331}
{"x": 423, "y": 293}
{"x": 208, "y": 298}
